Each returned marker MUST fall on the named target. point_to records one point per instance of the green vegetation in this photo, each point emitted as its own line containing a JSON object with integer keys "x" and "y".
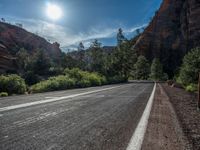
{"x": 157, "y": 71}
{"x": 192, "y": 88}
{"x": 190, "y": 69}
{"x": 73, "y": 78}
{"x": 53, "y": 83}
{"x": 3, "y": 94}
{"x": 12, "y": 84}
{"x": 93, "y": 67}
{"x": 141, "y": 69}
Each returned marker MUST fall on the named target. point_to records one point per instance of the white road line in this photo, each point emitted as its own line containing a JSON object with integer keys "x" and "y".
{"x": 138, "y": 136}
{"x": 52, "y": 100}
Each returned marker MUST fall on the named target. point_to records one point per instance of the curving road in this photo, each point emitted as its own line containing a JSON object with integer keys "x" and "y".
{"x": 97, "y": 118}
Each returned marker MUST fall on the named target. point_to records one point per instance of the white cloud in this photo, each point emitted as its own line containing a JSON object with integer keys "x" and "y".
{"x": 66, "y": 37}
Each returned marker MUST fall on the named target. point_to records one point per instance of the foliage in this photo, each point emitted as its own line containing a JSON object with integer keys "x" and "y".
{"x": 12, "y": 84}
{"x": 31, "y": 78}
{"x": 53, "y": 83}
{"x": 72, "y": 78}
{"x": 92, "y": 79}
{"x": 190, "y": 68}
{"x": 96, "y": 56}
{"x": 192, "y": 88}
{"x": 141, "y": 69}
{"x": 3, "y": 94}
{"x": 41, "y": 63}
{"x": 156, "y": 70}
{"x": 22, "y": 59}
{"x": 123, "y": 60}
{"x": 120, "y": 37}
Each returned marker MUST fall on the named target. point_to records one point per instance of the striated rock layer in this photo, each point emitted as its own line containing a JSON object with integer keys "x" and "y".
{"x": 173, "y": 31}
{"x": 12, "y": 38}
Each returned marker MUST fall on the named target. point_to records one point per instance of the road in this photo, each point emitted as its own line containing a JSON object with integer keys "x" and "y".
{"x": 97, "y": 118}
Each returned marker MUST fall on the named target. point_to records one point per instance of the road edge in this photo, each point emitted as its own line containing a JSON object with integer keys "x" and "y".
{"x": 138, "y": 135}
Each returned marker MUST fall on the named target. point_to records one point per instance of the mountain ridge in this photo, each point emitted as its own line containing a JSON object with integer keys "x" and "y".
{"x": 173, "y": 31}
{"x": 12, "y": 38}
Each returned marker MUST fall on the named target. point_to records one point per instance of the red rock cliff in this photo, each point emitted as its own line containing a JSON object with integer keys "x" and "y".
{"x": 12, "y": 38}
{"x": 174, "y": 30}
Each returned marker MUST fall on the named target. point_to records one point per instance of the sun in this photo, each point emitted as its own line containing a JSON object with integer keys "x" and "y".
{"x": 54, "y": 12}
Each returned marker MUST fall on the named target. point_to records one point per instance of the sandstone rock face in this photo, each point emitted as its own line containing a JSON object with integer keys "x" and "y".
{"x": 174, "y": 30}
{"x": 12, "y": 38}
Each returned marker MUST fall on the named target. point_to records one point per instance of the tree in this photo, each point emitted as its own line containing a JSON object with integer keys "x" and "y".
{"x": 124, "y": 58}
{"x": 156, "y": 70}
{"x": 96, "y": 57}
{"x": 95, "y": 44}
{"x": 120, "y": 37}
{"x": 81, "y": 47}
{"x": 141, "y": 69}
{"x": 190, "y": 68}
{"x": 41, "y": 63}
{"x": 22, "y": 59}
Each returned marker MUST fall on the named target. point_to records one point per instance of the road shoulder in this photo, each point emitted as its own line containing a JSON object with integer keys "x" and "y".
{"x": 163, "y": 131}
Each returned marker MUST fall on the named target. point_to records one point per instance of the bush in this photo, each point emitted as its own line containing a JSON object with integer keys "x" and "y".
{"x": 12, "y": 84}
{"x": 116, "y": 79}
{"x": 53, "y": 83}
{"x": 192, "y": 88}
{"x": 190, "y": 68}
{"x": 141, "y": 69}
{"x": 81, "y": 77}
{"x": 3, "y": 94}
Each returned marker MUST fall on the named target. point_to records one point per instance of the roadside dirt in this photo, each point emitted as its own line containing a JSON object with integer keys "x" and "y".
{"x": 185, "y": 105}
{"x": 164, "y": 131}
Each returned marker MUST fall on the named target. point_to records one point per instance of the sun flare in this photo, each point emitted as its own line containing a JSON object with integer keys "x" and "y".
{"x": 54, "y": 12}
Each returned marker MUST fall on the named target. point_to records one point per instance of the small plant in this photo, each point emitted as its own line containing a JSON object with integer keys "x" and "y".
{"x": 12, "y": 84}
{"x": 3, "y": 94}
{"x": 192, "y": 88}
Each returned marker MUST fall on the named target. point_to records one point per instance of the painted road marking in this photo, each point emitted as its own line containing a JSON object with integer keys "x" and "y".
{"x": 138, "y": 136}
{"x": 52, "y": 100}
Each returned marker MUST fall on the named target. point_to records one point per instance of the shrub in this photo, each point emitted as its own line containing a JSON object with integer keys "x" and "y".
{"x": 3, "y": 94}
{"x": 84, "y": 83}
{"x": 157, "y": 70}
{"x": 53, "y": 83}
{"x": 141, "y": 68}
{"x": 192, "y": 88}
{"x": 116, "y": 79}
{"x": 190, "y": 68}
{"x": 12, "y": 84}
{"x": 81, "y": 77}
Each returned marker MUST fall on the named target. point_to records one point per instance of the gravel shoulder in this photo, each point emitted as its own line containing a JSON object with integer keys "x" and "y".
{"x": 185, "y": 105}
{"x": 164, "y": 132}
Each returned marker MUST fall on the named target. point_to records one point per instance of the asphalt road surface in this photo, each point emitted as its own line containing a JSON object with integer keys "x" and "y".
{"x": 103, "y": 118}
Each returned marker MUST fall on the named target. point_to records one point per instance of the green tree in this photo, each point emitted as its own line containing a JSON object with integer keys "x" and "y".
{"x": 190, "y": 68}
{"x": 156, "y": 70}
{"x": 22, "y": 59}
{"x": 81, "y": 47}
{"x": 141, "y": 69}
{"x": 96, "y": 57}
{"x": 120, "y": 37}
{"x": 41, "y": 63}
{"x": 124, "y": 58}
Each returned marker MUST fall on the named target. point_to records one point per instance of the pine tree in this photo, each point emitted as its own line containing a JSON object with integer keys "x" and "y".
{"x": 141, "y": 69}
{"x": 156, "y": 70}
{"x": 120, "y": 37}
{"x": 81, "y": 47}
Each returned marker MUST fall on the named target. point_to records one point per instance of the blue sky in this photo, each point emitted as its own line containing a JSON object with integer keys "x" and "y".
{"x": 82, "y": 20}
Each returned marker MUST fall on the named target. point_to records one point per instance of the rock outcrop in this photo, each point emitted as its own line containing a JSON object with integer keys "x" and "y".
{"x": 174, "y": 30}
{"x": 12, "y": 38}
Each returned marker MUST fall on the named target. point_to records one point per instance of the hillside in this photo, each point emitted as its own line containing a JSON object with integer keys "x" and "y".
{"x": 173, "y": 31}
{"x": 12, "y": 38}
